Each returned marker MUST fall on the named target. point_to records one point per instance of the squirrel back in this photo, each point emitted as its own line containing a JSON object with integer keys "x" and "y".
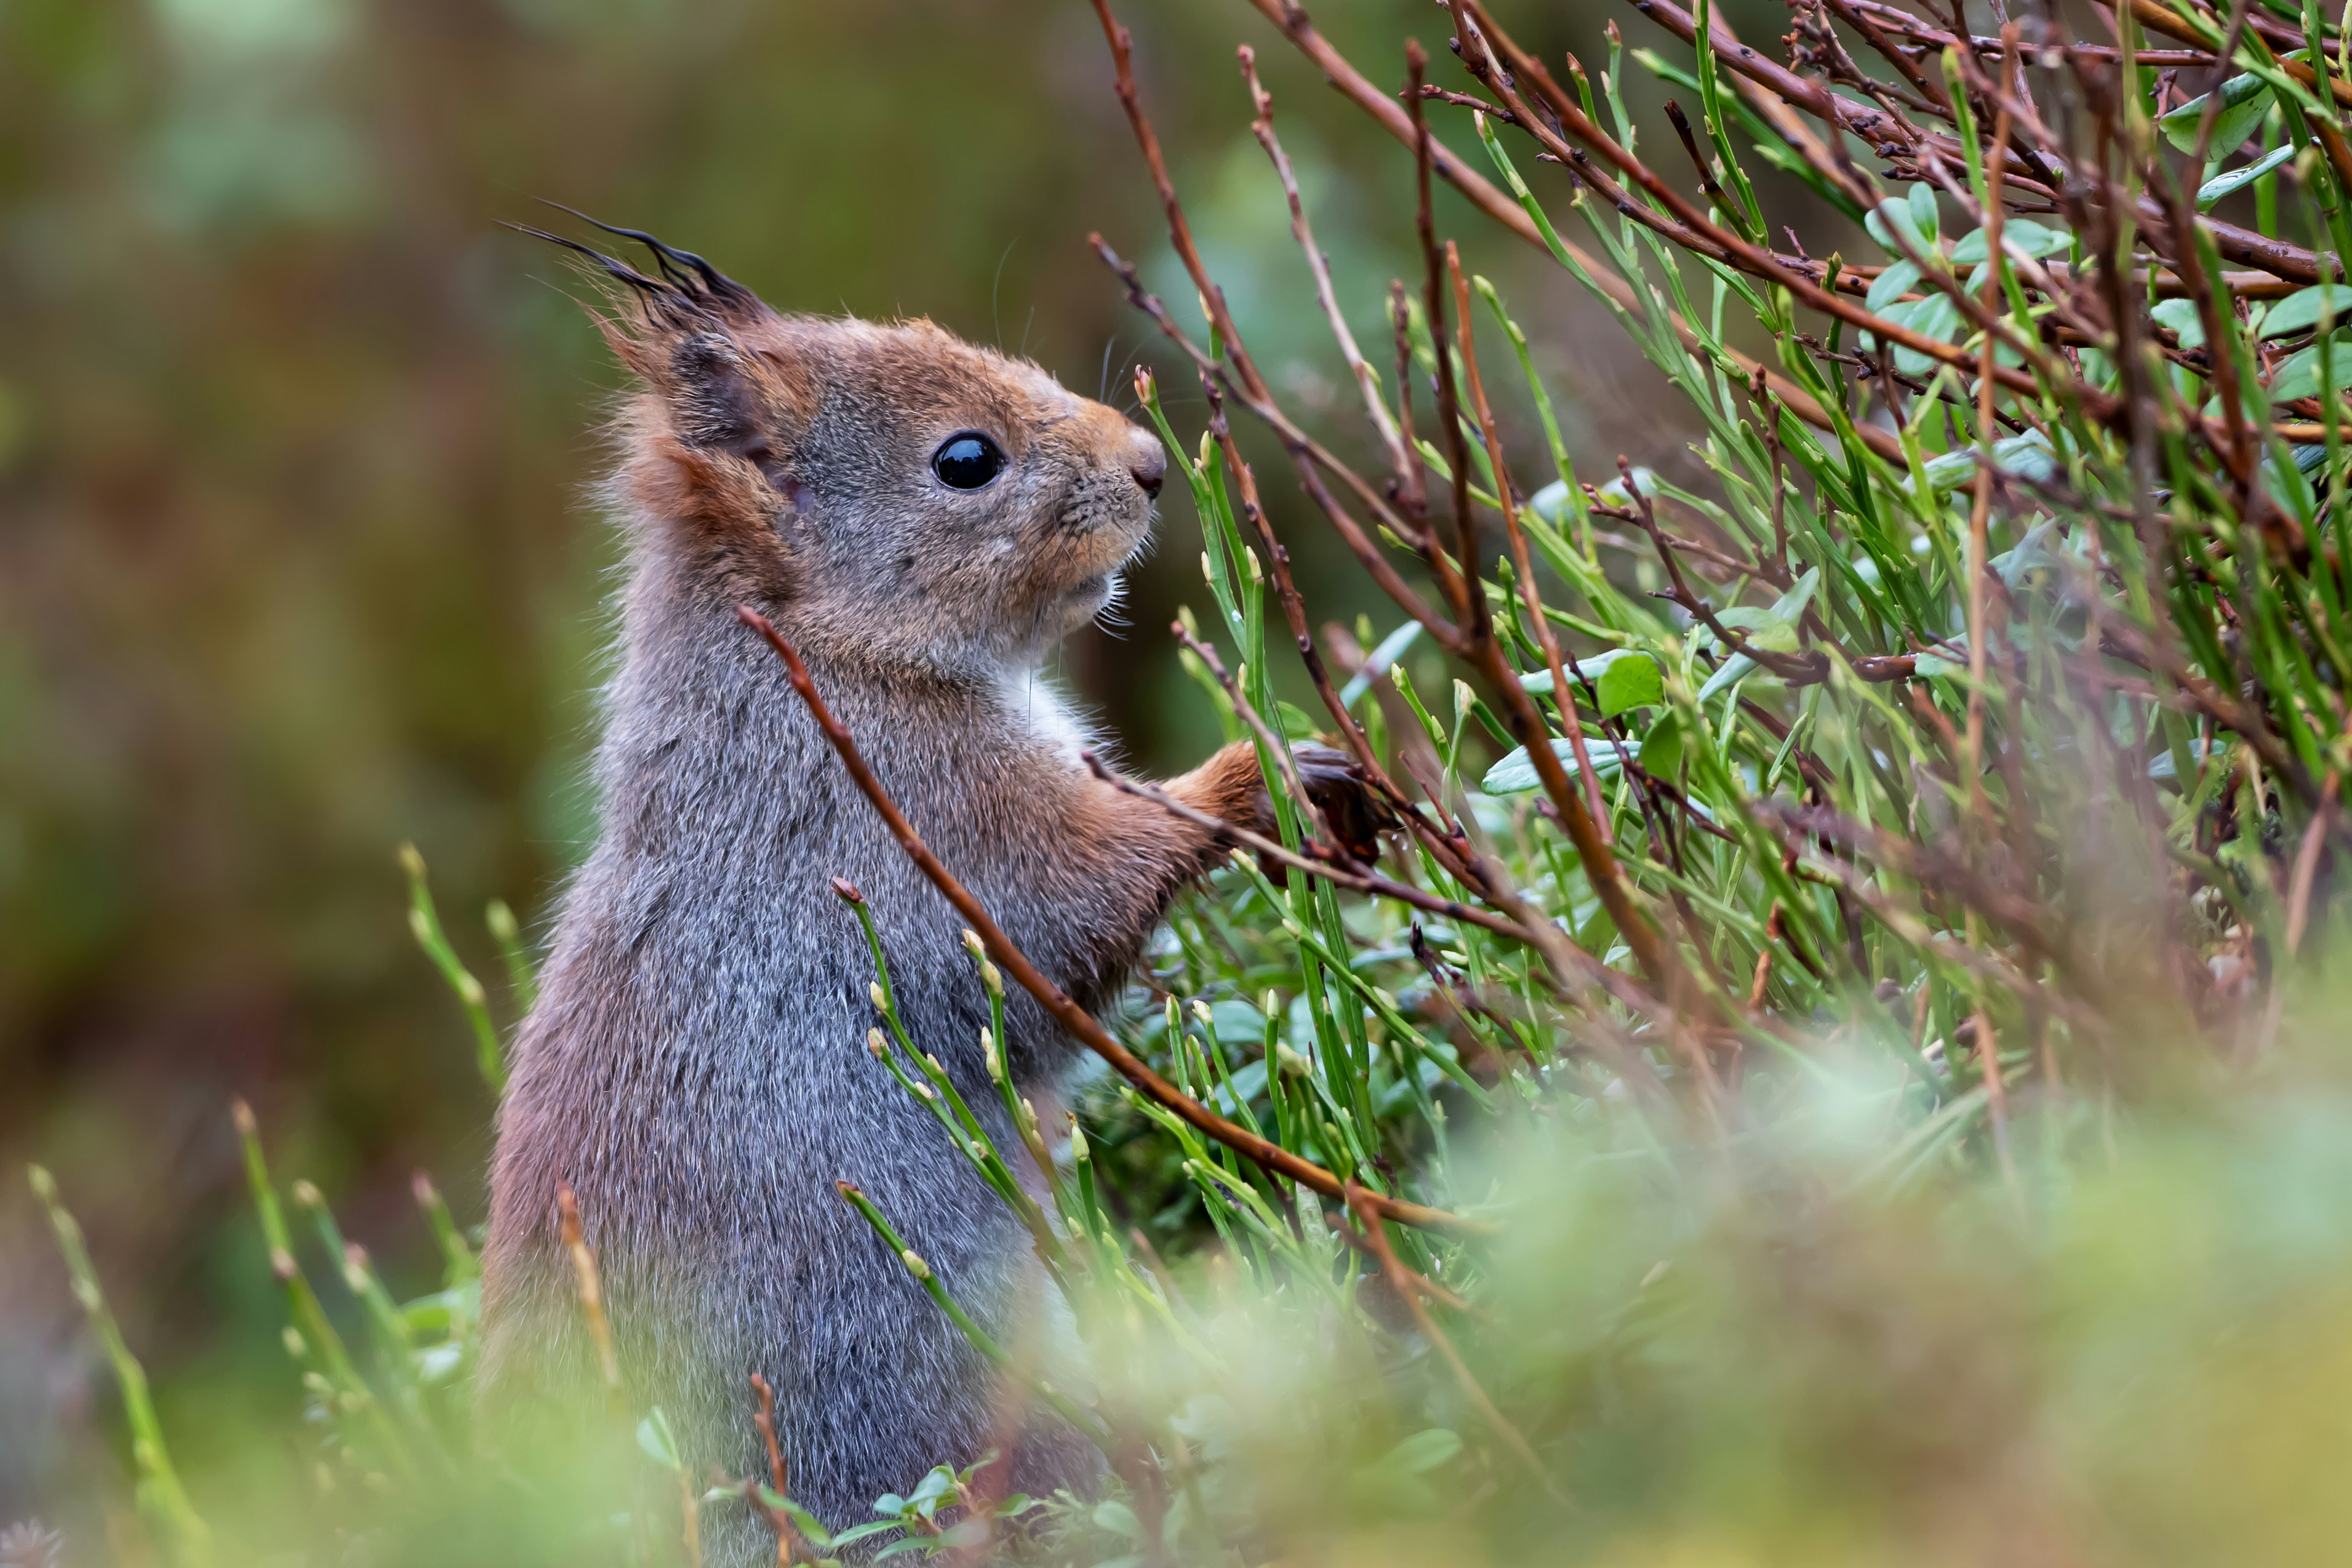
{"x": 925, "y": 519}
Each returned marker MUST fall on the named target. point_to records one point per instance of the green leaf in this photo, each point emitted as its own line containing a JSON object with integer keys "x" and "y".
{"x": 1631, "y": 683}
{"x": 2237, "y": 95}
{"x": 804, "y": 1521}
{"x": 1515, "y": 774}
{"x": 2299, "y": 312}
{"x": 1661, "y": 748}
{"x": 1614, "y": 492}
{"x": 1376, "y": 664}
{"x": 1891, "y": 285}
{"x": 1297, "y": 723}
{"x": 654, "y": 1438}
{"x": 855, "y": 1533}
{"x": 2182, "y": 317}
{"x": 1119, "y": 1520}
{"x": 1591, "y": 666}
{"x": 1423, "y": 1451}
{"x": 1895, "y": 215}
{"x": 1932, "y": 667}
{"x": 1776, "y": 631}
{"x": 1934, "y": 317}
{"x": 2221, "y": 185}
{"x": 2298, "y": 374}
{"x": 2027, "y": 455}
{"x": 1923, "y": 209}
{"x": 2016, "y": 235}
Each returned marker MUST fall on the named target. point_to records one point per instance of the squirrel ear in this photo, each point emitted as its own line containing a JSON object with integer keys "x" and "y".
{"x": 712, "y": 398}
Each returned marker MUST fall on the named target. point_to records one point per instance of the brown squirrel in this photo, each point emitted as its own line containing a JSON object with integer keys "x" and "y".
{"x": 925, "y": 520}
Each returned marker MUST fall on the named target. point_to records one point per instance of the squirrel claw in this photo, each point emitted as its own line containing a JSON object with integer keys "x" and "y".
{"x": 1353, "y": 809}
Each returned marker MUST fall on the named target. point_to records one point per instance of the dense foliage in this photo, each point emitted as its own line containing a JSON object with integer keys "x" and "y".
{"x": 1827, "y": 1062}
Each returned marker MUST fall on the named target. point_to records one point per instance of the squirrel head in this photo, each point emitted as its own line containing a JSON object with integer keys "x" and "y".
{"x": 893, "y": 492}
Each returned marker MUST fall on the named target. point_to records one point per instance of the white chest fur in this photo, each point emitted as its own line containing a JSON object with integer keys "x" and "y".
{"x": 1038, "y": 712}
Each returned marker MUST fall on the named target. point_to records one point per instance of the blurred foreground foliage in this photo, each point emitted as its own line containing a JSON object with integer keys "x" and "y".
{"x": 1835, "y": 1060}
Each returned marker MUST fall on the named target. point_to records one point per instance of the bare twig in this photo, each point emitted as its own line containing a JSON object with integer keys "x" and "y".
{"x": 1056, "y": 1000}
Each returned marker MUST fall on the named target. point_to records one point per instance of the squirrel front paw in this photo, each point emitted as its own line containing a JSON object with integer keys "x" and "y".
{"x": 1354, "y": 811}
{"x": 1230, "y": 787}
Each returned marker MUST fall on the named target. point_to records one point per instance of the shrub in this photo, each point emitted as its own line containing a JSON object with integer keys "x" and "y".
{"x": 1834, "y": 1063}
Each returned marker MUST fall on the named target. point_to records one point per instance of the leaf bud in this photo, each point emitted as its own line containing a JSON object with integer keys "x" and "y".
{"x": 915, "y": 1264}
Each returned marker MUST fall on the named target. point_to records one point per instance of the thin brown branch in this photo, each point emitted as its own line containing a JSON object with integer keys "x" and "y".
{"x": 1563, "y": 694}
{"x": 1401, "y": 1281}
{"x": 1081, "y": 1024}
{"x": 1403, "y": 461}
{"x": 590, "y": 1286}
{"x": 1482, "y": 194}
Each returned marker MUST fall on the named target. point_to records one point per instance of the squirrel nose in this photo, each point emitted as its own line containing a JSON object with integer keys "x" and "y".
{"x": 1150, "y": 464}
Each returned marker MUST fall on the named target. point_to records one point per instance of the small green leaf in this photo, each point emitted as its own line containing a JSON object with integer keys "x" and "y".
{"x": 1392, "y": 649}
{"x": 1897, "y": 215}
{"x": 2016, "y": 235}
{"x": 1890, "y": 286}
{"x": 2221, "y": 185}
{"x": 1119, "y": 1520}
{"x": 1931, "y": 667}
{"x": 1661, "y": 748}
{"x": 1423, "y": 1451}
{"x": 2300, "y": 311}
{"x": 1590, "y": 667}
{"x": 1923, "y": 209}
{"x": 2238, "y": 94}
{"x": 1614, "y": 493}
{"x": 855, "y": 1533}
{"x": 1297, "y": 723}
{"x": 654, "y": 1438}
{"x": 1630, "y": 683}
{"x": 2028, "y": 456}
{"x": 2298, "y": 374}
{"x": 1934, "y": 317}
{"x": 1515, "y": 774}
{"x": 2182, "y": 316}
{"x": 802, "y": 1520}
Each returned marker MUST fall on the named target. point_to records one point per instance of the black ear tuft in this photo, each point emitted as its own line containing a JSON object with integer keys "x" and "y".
{"x": 658, "y": 296}
{"x": 684, "y": 274}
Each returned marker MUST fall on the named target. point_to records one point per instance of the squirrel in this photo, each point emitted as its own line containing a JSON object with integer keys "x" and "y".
{"x": 925, "y": 519}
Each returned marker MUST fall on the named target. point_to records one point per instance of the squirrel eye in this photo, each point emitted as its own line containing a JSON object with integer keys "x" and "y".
{"x": 968, "y": 461}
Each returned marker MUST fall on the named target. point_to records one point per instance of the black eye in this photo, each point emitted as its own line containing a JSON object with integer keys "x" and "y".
{"x": 968, "y": 461}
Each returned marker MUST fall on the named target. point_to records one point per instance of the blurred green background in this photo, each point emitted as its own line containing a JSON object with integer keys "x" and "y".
{"x": 297, "y": 560}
